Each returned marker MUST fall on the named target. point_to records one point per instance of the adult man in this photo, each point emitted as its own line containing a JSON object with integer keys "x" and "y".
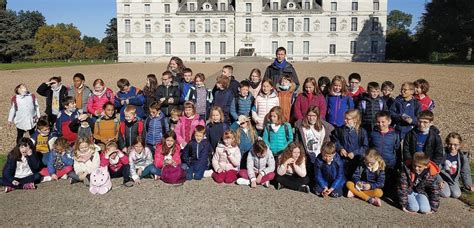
{"x": 281, "y": 67}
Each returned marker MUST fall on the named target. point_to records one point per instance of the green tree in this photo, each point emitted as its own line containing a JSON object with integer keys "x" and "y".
{"x": 10, "y": 36}
{"x": 398, "y": 20}
{"x": 110, "y": 39}
{"x": 3, "y": 4}
{"x": 399, "y": 42}
{"x": 29, "y": 23}
{"x": 61, "y": 41}
{"x": 90, "y": 41}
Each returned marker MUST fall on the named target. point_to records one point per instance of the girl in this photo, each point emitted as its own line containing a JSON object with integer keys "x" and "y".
{"x": 368, "y": 179}
{"x": 149, "y": 92}
{"x": 351, "y": 141}
{"x": 86, "y": 160}
{"x": 338, "y": 102}
{"x": 201, "y": 96}
{"x": 286, "y": 94}
{"x": 456, "y": 166}
{"x": 100, "y": 95}
{"x": 310, "y": 97}
{"x": 245, "y": 135}
{"x": 323, "y": 85}
{"x": 24, "y": 112}
{"x": 116, "y": 162}
{"x": 266, "y": 100}
{"x": 176, "y": 66}
{"x": 226, "y": 159}
{"x": 216, "y": 126}
{"x": 21, "y": 168}
{"x": 106, "y": 128}
{"x": 141, "y": 161}
{"x": 260, "y": 167}
{"x": 255, "y": 80}
{"x": 187, "y": 124}
{"x": 278, "y": 133}
{"x": 54, "y": 92}
{"x": 167, "y": 153}
{"x": 291, "y": 171}
{"x": 59, "y": 161}
{"x": 225, "y": 96}
{"x": 79, "y": 91}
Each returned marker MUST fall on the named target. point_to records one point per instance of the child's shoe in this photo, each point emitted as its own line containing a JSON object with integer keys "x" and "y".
{"x": 278, "y": 186}
{"x": 64, "y": 177}
{"x": 128, "y": 184}
{"x": 377, "y": 202}
{"x": 46, "y": 179}
{"x": 8, "y": 189}
{"x": 208, "y": 173}
{"x": 304, "y": 188}
{"x": 243, "y": 181}
{"x": 29, "y": 186}
{"x": 350, "y": 194}
{"x": 266, "y": 184}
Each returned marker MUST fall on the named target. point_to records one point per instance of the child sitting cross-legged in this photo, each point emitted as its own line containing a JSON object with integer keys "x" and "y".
{"x": 59, "y": 161}
{"x": 196, "y": 154}
{"x": 141, "y": 161}
{"x": 260, "y": 166}
{"x": 117, "y": 163}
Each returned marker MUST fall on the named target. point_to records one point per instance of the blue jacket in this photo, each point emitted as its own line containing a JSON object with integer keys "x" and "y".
{"x": 223, "y": 99}
{"x": 368, "y": 107}
{"x": 241, "y": 106}
{"x": 10, "y": 167}
{"x": 135, "y": 97}
{"x": 388, "y": 146}
{"x": 375, "y": 179}
{"x": 279, "y": 140}
{"x": 351, "y": 140}
{"x": 214, "y": 133}
{"x": 155, "y": 128}
{"x": 195, "y": 153}
{"x": 400, "y": 107}
{"x": 329, "y": 175}
{"x": 184, "y": 88}
{"x": 66, "y": 158}
{"x": 336, "y": 107}
{"x": 63, "y": 119}
{"x": 245, "y": 139}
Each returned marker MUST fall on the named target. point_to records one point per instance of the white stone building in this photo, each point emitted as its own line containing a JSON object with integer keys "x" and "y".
{"x": 213, "y": 30}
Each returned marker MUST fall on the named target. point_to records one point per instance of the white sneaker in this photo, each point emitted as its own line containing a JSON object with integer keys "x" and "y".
{"x": 64, "y": 177}
{"x": 208, "y": 173}
{"x": 46, "y": 178}
{"x": 242, "y": 181}
{"x": 266, "y": 184}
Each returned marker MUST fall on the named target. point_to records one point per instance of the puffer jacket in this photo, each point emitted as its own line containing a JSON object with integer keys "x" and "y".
{"x": 241, "y": 106}
{"x": 181, "y": 129}
{"x": 336, "y": 107}
{"x": 388, "y": 146}
{"x": 263, "y": 105}
{"x": 274, "y": 73}
{"x": 368, "y": 107}
{"x": 220, "y": 160}
{"x": 96, "y": 103}
{"x": 259, "y": 165}
{"x": 433, "y": 145}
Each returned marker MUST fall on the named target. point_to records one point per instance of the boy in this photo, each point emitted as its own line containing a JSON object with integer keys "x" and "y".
{"x": 329, "y": 172}
{"x": 387, "y": 89}
{"x": 130, "y": 128}
{"x": 155, "y": 127}
{"x": 106, "y": 128}
{"x": 421, "y": 94}
{"x": 185, "y": 85}
{"x": 42, "y": 139}
{"x": 355, "y": 89}
{"x": 228, "y": 71}
{"x": 117, "y": 163}
{"x": 200, "y": 96}
{"x": 242, "y": 104}
{"x": 370, "y": 103}
{"x": 167, "y": 94}
{"x": 404, "y": 109}
{"x": 418, "y": 190}
{"x": 65, "y": 117}
{"x": 196, "y": 155}
{"x": 424, "y": 138}
{"x": 129, "y": 95}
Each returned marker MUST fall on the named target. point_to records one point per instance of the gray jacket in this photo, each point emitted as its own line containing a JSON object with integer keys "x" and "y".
{"x": 263, "y": 165}
{"x": 86, "y": 93}
{"x": 464, "y": 170}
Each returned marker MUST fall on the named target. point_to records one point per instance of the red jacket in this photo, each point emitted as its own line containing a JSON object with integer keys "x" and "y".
{"x": 303, "y": 103}
{"x": 159, "y": 157}
{"x": 105, "y": 161}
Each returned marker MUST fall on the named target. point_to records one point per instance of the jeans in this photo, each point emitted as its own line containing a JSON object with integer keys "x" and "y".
{"x": 453, "y": 191}
{"x": 293, "y": 182}
{"x": 33, "y": 178}
{"x": 418, "y": 203}
{"x": 195, "y": 171}
{"x": 150, "y": 169}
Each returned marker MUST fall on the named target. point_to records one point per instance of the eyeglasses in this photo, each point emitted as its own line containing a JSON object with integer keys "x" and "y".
{"x": 454, "y": 145}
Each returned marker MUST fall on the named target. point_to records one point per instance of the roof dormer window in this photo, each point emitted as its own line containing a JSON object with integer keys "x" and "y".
{"x": 291, "y": 6}
{"x": 192, "y": 6}
{"x": 206, "y": 7}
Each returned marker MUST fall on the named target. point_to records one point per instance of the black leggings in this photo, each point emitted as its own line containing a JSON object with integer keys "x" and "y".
{"x": 293, "y": 182}
{"x": 20, "y": 133}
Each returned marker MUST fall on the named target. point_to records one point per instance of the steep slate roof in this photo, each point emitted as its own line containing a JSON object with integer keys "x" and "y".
{"x": 200, "y": 8}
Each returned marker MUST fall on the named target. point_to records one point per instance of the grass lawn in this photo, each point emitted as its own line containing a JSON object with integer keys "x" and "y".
{"x": 31, "y": 65}
{"x": 468, "y": 197}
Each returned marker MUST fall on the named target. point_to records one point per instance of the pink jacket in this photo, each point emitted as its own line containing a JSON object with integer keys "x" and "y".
{"x": 105, "y": 161}
{"x": 160, "y": 158}
{"x": 95, "y": 102}
{"x": 263, "y": 104}
{"x": 303, "y": 103}
{"x": 220, "y": 160}
{"x": 181, "y": 130}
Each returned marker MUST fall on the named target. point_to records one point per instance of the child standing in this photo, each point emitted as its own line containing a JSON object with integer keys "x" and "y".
{"x": 59, "y": 161}
{"x": 387, "y": 89}
{"x": 368, "y": 179}
{"x": 176, "y": 66}
{"x": 65, "y": 118}
{"x": 21, "y": 167}
{"x": 196, "y": 155}
{"x": 286, "y": 94}
{"x": 149, "y": 92}
{"x": 54, "y": 92}
{"x": 155, "y": 126}
{"x": 226, "y": 159}
{"x": 141, "y": 161}
{"x": 310, "y": 97}
{"x": 255, "y": 81}
{"x": 277, "y": 133}
{"x": 116, "y": 162}
{"x": 167, "y": 153}
{"x": 24, "y": 112}
{"x": 242, "y": 104}
{"x": 405, "y": 109}
{"x": 86, "y": 160}
{"x": 130, "y": 128}
{"x": 370, "y": 104}
{"x": 323, "y": 84}
{"x": 187, "y": 124}
{"x": 421, "y": 94}
{"x": 329, "y": 172}
{"x": 106, "y": 128}
{"x": 260, "y": 167}
{"x": 355, "y": 89}
{"x": 129, "y": 95}
{"x": 185, "y": 84}
{"x": 100, "y": 95}
{"x": 200, "y": 96}
{"x": 216, "y": 127}
{"x": 338, "y": 102}
{"x": 167, "y": 94}
{"x": 266, "y": 100}
{"x": 224, "y": 96}
{"x": 80, "y": 91}
{"x": 291, "y": 171}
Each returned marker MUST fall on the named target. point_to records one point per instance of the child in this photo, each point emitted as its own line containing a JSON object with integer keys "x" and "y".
{"x": 223, "y": 96}
{"x": 255, "y": 81}
{"x": 355, "y": 89}
{"x": 266, "y": 100}
{"x": 130, "y": 128}
{"x": 246, "y": 136}
{"x": 176, "y": 66}
{"x": 368, "y": 179}
{"x": 175, "y": 114}
{"x": 155, "y": 126}
{"x": 106, "y": 128}
{"x": 310, "y": 97}
{"x": 129, "y": 95}
{"x": 187, "y": 124}
{"x": 116, "y": 162}
{"x": 329, "y": 172}
{"x": 59, "y": 161}
{"x": 370, "y": 103}
{"x": 323, "y": 84}
{"x": 80, "y": 91}
{"x": 242, "y": 104}
{"x": 418, "y": 190}
{"x": 43, "y": 140}
{"x": 424, "y": 138}
{"x": 82, "y": 126}
{"x": 196, "y": 155}
{"x": 141, "y": 161}
{"x": 24, "y": 112}
{"x": 405, "y": 109}
{"x": 167, "y": 94}
{"x": 456, "y": 166}
{"x": 338, "y": 102}
{"x": 100, "y": 95}
{"x": 228, "y": 71}
{"x": 216, "y": 126}
{"x": 260, "y": 167}
{"x": 421, "y": 94}
{"x": 387, "y": 89}
{"x": 21, "y": 167}
{"x": 200, "y": 96}
{"x": 226, "y": 159}
{"x": 86, "y": 160}
{"x": 54, "y": 92}
{"x": 167, "y": 153}
{"x": 65, "y": 118}
{"x": 185, "y": 85}
{"x": 149, "y": 92}
{"x": 277, "y": 133}
{"x": 291, "y": 171}
{"x": 351, "y": 141}
{"x": 286, "y": 94}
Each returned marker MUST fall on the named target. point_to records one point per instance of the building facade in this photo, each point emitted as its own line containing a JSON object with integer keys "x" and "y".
{"x": 213, "y": 30}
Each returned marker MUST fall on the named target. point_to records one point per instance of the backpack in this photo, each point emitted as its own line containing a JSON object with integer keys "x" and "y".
{"x": 100, "y": 182}
{"x": 140, "y": 127}
{"x": 173, "y": 174}
{"x": 363, "y": 105}
{"x": 15, "y": 103}
{"x": 287, "y": 132}
{"x": 67, "y": 133}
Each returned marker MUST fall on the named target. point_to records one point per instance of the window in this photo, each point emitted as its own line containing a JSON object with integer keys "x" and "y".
{"x": 207, "y": 25}
{"x": 126, "y": 8}
{"x": 376, "y": 5}
{"x": 291, "y": 5}
{"x": 375, "y": 47}
{"x": 207, "y": 49}
{"x": 355, "y": 6}
{"x": 353, "y": 47}
{"x": 192, "y": 48}
{"x": 291, "y": 24}
{"x": 128, "y": 48}
{"x": 222, "y": 5}
{"x": 147, "y": 26}
{"x": 168, "y": 28}
{"x": 148, "y": 48}
{"x": 274, "y": 46}
{"x": 332, "y": 49}
{"x": 167, "y": 8}
{"x": 192, "y": 7}
{"x": 168, "y": 48}
{"x": 248, "y": 25}
{"x": 375, "y": 24}
{"x": 306, "y": 24}
{"x": 192, "y": 25}
{"x": 333, "y": 24}
{"x": 289, "y": 48}
{"x": 147, "y": 8}
{"x": 248, "y": 7}
{"x": 222, "y": 25}
{"x": 222, "y": 48}
{"x": 307, "y": 5}
{"x": 275, "y": 6}
{"x": 305, "y": 47}
{"x": 127, "y": 25}
{"x": 354, "y": 24}
{"x": 275, "y": 25}
{"x": 333, "y": 6}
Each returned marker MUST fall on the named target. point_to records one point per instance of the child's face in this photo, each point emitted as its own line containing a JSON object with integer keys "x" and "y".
{"x": 109, "y": 111}
{"x": 44, "y": 131}
{"x": 169, "y": 142}
{"x": 374, "y": 93}
{"x": 199, "y": 136}
{"x": 309, "y": 87}
{"x": 24, "y": 150}
{"x": 350, "y": 122}
{"x": 166, "y": 79}
{"x": 226, "y": 72}
{"x": 154, "y": 113}
{"x": 129, "y": 117}
{"x": 244, "y": 124}
{"x": 387, "y": 91}
{"x": 328, "y": 157}
{"x": 419, "y": 167}
{"x": 219, "y": 86}
{"x": 322, "y": 87}
{"x": 354, "y": 84}
{"x": 99, "y": 88}
{"x": 125, "y": 89}
{"x": 174, "y": 117}
{"x": 101, "y": 146}
{"x": 138, "y": 148}
{"x": 424, "y": 124}
{"x": 188, "y": 76}
{"x": 199, "y": 82}
{"x": 418, "y": 90}
{"x": 173, "y": 65}
{"x": 60, "y": 149}
{"x": 113, "y": 151}
{"x": 312, "y": 118}
{"x": 285, "y": 82}
{"x": 369, "y": 162}
{"x": 296, "y": 153}
{"x": 337, "y": 86}
{"x": 454, "y": 145}
{"x": 77, "y": 82}
{"x": 216, "y": 116}
{"x": 266, "y": 88}
{"x": 383, "y": 123}
{"x": 255, "y": 77}
{"x": 274, "y": 117}
{"x": 244, "y": 91}
{"x": 84, "y": 148}
{"x": 407, "y": 92}
{"x": 22, "y": 90}
{"x": 228, "y": 141}
{"x": 188, "y": 112}
{"x": 71, "y": 107}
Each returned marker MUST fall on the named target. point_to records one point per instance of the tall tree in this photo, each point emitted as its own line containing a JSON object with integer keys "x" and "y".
{"x": 110, "y": 39}
{"x": 3, "y": 4}
{"x": 29, "y": 23}
{"x": 398, "y": 20}
{"x": 399, "y": 42}
{"x": 61, "y": 41}
{"x": 10, "y": 36}
{"x": 90, "y": 41}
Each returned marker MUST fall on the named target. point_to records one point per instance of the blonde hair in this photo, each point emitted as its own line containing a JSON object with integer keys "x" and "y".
{"x": 131, "y": 109}
{"x": 279, "y": 112}
{"x": 251, "y": 130}
{"x": 372, "y": 153}
{"x": 342, "y": 80}
{"x": 420, "y": 158}
{"x": 328, "y": 148}
{"x": 355, "y": 115}
{"x": 79, "y": 141}
{"x": 190, "y": 104}
{"x": 176, "y": 111}
{"x": 218, "y": 109}
{"x": 230, "y": 134}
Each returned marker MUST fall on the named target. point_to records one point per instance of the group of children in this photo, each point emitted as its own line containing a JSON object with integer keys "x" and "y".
{"x": 332, "y": 139}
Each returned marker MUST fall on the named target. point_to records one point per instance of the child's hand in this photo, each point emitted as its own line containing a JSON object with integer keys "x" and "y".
{"x": 325, "y": 192}
{"x": 162, "y": 99}
{"x": 441, "y": 184}
{"x": 366, "y": 186}
{"x": 139, "y": 172}
{"x": 127, "y": 101}
{"x": 29, "y": 152}
{"x": 350, "y": 155}
{"x": 125, "y": 150}
{"x": 219, "y": 170}
{"x": 54, "y": 177}
{"x": 290, "y": 161}
{"x": 10, "y": 124}
{"x": 137, "y": 181}
{"x": 15, "y": 182}
{"x": 253, "y": 184}
{"x": 170, "y": 100}
{"x": 122, "y": 102}
{"x": 330, "y": 190}
{"x": 343, "y": 152}
{"x": 470, "y": 188}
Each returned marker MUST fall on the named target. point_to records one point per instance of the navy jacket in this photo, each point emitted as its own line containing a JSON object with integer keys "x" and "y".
{"x": 368, "y": 107}
{"x": 375, "y": 179}
{"x": 351, "y": 140}
{"x": 195, "y": 153}
{"x": 10, "y": 167}
{"x": 214, "y": 132}
{"x": 433, "y": 146}
{"x": 400, "y": 107}
{"x": 330, "y": 176}
{"x": 223, "y": 99}
{"x": 135, "y": 97}
{"x": 388, "y": 146}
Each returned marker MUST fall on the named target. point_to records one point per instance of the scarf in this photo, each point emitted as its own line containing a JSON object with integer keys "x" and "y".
{"x": 279, "y": 65}
{"x": 84, "y": 157}
{"x": 254, "y": 85}
{"x": 58, "y": 87}
{"x": 99, "y": 94}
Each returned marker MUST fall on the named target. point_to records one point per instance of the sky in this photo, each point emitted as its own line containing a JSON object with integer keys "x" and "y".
{"x": 92, "y": 16}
